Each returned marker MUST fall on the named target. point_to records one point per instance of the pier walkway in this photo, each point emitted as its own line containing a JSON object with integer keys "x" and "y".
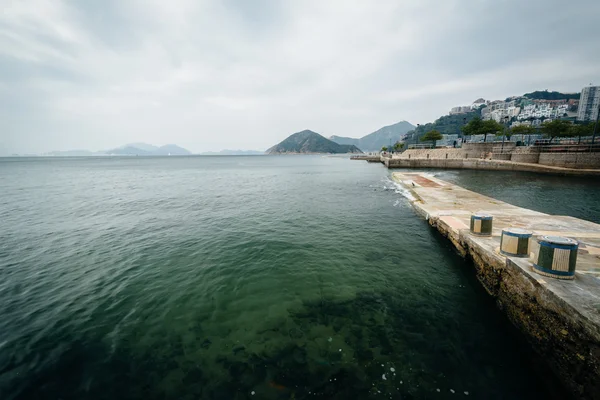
{"x": 367, "y": 157}
{"x": 561, "y": 319}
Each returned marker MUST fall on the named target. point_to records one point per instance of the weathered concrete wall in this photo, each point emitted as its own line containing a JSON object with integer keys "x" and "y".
{"x": 531, "y": 158}
{"x": 492, "y": 165}
{"x": 483, "y": 164}
{"x": 560, "y": 319}
{"x": 569, "y": 343}
{"x": 468, "y": 156}
{"x": 431, "y": 153}
{"x": 526, "y": 154}
{"x": 470, "y": 150}
{"x": 501, "y": 156}
{"x": 571, "y": 160}
{"x": 487, "y": 147}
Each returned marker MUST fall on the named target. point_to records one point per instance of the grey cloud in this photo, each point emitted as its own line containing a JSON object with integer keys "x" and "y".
{"x": 209, "y": 75}
{"x": 108, "y": 24}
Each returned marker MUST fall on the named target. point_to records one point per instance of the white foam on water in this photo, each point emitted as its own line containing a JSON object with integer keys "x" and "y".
{"x": 396, "y": 187}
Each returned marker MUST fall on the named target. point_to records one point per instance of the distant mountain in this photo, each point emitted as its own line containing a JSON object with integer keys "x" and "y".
{"x": 128, "y": 151}
{"x": 172, "y": 150}
{"x": 233, "y": 153}
{"x": 310, "y": 142}
{"x": 143, "y": 149}
{"x": 142, "y": 146}
{"x": 376, "y": 140}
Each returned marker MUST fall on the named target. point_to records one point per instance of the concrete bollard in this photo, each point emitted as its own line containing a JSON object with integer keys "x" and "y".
{"x": 515, "y": 242}
{"x": 481, "y": 224}
{"x": 555, "y": 257}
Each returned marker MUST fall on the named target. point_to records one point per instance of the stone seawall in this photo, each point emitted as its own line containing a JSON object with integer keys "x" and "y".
{"x": 488, "y": 147}
{"x": 501, "y": 156}
{"x": 495, "y": 151}
{"x": 560, "y": 319}
{"x": 571, "y": 160}
{"x": 482, "y": 164}
{"x": 529, "y": 158}
{"x": 433, "y": 153}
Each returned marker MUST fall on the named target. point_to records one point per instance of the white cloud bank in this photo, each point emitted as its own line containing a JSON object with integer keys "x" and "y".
{"x": 209, "y": 75}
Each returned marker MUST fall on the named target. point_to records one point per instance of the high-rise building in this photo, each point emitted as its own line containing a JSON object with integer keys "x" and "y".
{"x": 589, "y": 103}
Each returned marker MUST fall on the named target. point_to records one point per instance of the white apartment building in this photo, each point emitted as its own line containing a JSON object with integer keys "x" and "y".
{"x": 496, "y": 105}
{"x": 500, "y": 114}
{"x": 542, "y": 110}
{"x": 497, "y": 115}
{"x": 562, "y": 110}
{"x": 513, "y": 111}
{"x": 460, "y": 110}
{"x": 589, "y": 103}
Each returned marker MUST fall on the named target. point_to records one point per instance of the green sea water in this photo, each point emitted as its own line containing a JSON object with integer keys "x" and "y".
{"x": 299, "y": 277}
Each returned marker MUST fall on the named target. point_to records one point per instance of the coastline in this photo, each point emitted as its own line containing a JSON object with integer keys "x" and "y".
{"x": 561, "y": 320}
{"x": 485, "y": 165}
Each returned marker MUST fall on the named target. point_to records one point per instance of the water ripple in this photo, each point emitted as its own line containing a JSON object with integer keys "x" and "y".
{"x": 303, "y": 277}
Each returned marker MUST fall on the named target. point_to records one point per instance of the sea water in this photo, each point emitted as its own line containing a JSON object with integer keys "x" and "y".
{"x": 299, "y": 277}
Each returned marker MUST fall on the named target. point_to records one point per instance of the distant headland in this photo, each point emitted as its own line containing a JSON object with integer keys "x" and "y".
{"x": 309, "y": 142}
{"x": 131, "y": 149}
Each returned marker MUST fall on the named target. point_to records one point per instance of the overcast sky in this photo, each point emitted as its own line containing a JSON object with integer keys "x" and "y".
{"x": 241, "y": 74}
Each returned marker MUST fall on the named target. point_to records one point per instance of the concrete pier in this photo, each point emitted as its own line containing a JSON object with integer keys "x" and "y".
{"x": 561, "y": 319}
{"x": 367, "y": 157}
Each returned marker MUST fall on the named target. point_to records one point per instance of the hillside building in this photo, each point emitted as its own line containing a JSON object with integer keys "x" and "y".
{"x": 589, "y": 103}
{"x": 460, "y": 110}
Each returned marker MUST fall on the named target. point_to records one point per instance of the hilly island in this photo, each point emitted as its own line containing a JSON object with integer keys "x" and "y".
{"x": 382, "y": 137}
{"x": 309, "y": 142}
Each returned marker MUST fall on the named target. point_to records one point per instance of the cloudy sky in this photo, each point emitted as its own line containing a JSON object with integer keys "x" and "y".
{"x": 241, "y": 74}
